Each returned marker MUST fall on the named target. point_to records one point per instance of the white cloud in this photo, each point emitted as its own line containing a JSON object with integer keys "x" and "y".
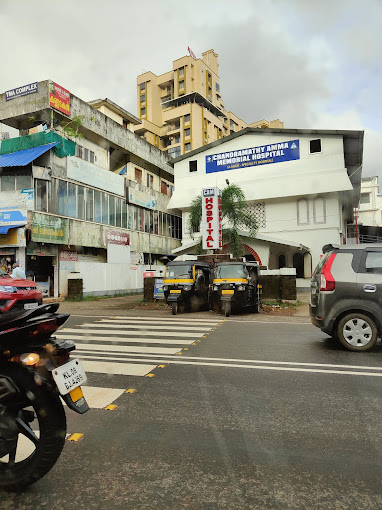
{"x": 309, "y": 64}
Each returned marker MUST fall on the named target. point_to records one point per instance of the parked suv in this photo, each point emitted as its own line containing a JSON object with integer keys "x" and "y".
{"x": 17, "y": 295}
{"x": 346, "y": 294}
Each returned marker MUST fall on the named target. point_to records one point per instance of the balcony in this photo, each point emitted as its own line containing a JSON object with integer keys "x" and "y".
{"x": 174, "y": 152}
{"x": 173, "y": 128}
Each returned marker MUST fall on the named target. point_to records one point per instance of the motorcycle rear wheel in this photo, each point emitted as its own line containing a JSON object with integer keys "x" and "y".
{"x": 41, "y": 426}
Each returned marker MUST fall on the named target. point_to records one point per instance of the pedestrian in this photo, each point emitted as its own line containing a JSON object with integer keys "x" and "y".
{"x": 17, "y": 271}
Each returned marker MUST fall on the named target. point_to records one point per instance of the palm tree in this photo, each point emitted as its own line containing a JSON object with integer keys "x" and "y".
{"x": 234, "y": 215}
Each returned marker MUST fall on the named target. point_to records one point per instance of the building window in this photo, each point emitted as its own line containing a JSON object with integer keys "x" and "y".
{"x": 187, "y": 132}
{"x": 177, "y": 139}
{"x": 282, "y": 261}
{"x": 217, "y": 87}
{"x": 193, "y": 166}
{"x": 143, "y": 112}
{"x": 63, "y": 198}
{"x": 364, "y": 198}
{"x": 138, "y": 175}
{"x": 41, "y": 200}
{"x": 187, "y": 118}
{"x": 150, "y": 181}
{"x": 302, "y": 212}
{"x": 187, "y": 146}
{"x": 91, "y": 157}
{"x": 80, "y": 151}
{"x": 72, "y": 200}
{"x": 143, "y": 98}
{"x": 298, "y": 264}
{"x": 319, "y": 210}
{"x": 181, "y": 71}
{"x": 315, "y": 145}
{"x": 142, "y": 86}
{"x": 181, "y": 84}
{"x": 97, "y": 207}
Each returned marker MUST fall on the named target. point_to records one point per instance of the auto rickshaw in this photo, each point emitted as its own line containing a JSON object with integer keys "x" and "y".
{"x": 235, "y": 285}
{"x": 186, "y": 284}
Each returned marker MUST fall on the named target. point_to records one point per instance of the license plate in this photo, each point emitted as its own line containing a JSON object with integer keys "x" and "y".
{"x": 30, "y": 306}
{"x": 175, "y": 291}
{"x": 69, "y": 376}
{"x": 225, "y": 292}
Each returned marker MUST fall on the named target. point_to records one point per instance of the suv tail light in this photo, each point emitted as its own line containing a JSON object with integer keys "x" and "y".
{"x": 327, "y": 282}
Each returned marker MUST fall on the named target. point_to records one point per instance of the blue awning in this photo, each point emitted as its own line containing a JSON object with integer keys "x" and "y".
{"x": 4, "y": 228}
{"x": 24, "y": 157}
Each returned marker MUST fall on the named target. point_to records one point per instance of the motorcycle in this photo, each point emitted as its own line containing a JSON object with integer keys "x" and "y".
{"x": 35, "y": 371}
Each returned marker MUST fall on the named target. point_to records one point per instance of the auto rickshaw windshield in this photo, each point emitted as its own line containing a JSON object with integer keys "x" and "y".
{"x": 175, "y": 272}
{"x": 231, "y": 271}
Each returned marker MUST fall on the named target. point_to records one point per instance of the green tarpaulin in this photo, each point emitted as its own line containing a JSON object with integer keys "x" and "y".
{"x": 64, "y": 147}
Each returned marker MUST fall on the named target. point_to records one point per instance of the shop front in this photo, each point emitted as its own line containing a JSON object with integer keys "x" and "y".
{"x": 12, "y": 245}
{"x": 47, "y": 234}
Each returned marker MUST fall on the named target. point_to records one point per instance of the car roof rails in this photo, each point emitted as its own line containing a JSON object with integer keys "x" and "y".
{"x": 330, "y": 247}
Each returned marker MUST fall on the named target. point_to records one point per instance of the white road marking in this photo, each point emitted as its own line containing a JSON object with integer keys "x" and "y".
{"x": 101, "y": 367}
{"x": 129, "y": 332}
{"x": 170, "y": 318}
{"x": 129, "y": 327}
{"x": 254, "y": 321}
{"x": 233, "y": 365}
{"x": 151, "y": 320}
{"x": 123, "y": 340}
{"x": 126, "y": 348}
{"x": 98, "y": 398}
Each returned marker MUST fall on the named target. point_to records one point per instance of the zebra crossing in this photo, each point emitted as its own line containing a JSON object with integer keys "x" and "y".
{"x": 130, "y": 347}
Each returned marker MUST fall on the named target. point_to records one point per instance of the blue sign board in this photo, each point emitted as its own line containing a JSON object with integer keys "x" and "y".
{"x": 158, "y": 289}
{"x": 16, "y": 217}
{"x": 253, "y": 156}
{"x": 31, "y": 88}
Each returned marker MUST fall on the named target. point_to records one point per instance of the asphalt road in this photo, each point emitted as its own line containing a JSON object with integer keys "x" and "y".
{"x": 255, "y": 415}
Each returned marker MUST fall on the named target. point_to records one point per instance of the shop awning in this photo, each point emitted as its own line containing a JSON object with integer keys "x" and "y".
{"x": 4, "y": 228}
{"x": 24, "y": 157}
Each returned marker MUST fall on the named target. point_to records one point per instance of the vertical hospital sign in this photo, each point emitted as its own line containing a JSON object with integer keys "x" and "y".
{"x": 212, "y": 219}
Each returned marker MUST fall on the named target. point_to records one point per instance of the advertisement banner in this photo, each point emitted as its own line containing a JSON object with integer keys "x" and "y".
{"x": 115, "y": 237}
{"x": 59, "y": 98}
{"x": 68, "y": 256}
{"x": 137, "y": 197}
{"x": 14, "y": 217}
{"x": 25, "y": 90}
{"x": 14, "y": 199}
{"x": 88, "y": 173}
{"x": 49, "y": 229}
{"x": 253, "y": 156}
{"x": 158, "y": 288}
{"x": 211, "y": 227}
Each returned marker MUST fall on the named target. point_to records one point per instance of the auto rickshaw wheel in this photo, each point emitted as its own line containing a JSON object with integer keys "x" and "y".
{"x": 174, "y": 307}
{"x": 227, "y": 309}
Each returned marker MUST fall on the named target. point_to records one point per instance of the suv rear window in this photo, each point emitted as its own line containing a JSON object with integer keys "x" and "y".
{"x": 321, "y": 263}
{"x": 373, "y": 262}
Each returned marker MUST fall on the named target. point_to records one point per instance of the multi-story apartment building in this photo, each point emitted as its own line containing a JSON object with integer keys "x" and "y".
{"x": 80, "y": 192}
{"x": 183, "y": 109}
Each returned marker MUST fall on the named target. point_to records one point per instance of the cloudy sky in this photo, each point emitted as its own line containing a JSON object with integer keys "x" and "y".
{"x": 311, "y": 64}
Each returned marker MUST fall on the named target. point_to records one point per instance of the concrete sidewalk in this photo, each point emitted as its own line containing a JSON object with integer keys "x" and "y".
{"x": 133, "y": 305}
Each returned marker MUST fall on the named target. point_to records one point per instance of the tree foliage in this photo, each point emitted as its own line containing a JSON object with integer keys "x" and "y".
{"x": 234, "y": 218}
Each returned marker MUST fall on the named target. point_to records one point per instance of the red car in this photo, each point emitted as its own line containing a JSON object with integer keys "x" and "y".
{"x": 17, "y": 295}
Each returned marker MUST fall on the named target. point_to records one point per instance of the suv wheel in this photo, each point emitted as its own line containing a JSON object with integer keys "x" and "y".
{"x": 357, "y": 332}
